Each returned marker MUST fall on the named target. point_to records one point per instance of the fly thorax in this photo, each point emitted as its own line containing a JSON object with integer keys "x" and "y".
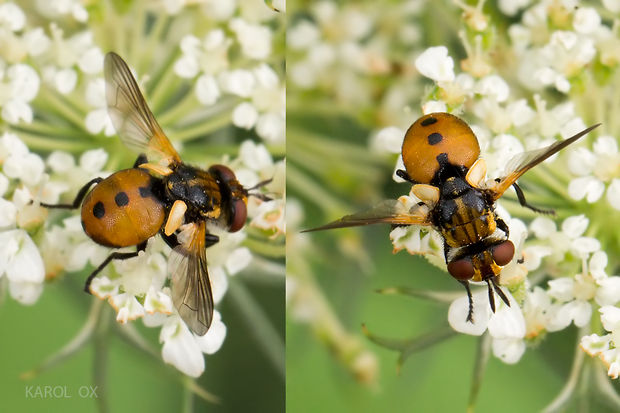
{"x": 197, "y": 189}
{"x": 454, "y": 187}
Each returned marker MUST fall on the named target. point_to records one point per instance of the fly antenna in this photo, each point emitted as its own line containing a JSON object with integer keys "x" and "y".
{"x": 259, "y": 195}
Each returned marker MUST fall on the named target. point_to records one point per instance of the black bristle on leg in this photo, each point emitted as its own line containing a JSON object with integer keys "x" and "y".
{"x": 470, "y": 313}
{"x": 499, "y": 292}
{"x": 491, "y": 295}
{"x": 114, "y": 256}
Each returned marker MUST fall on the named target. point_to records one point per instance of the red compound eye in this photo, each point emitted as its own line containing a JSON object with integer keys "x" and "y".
{"x": 503, "y": 253}
{"x": 461, "y": 269}
{"x": 223, "y": 172}
{"x": 239, "y": 215}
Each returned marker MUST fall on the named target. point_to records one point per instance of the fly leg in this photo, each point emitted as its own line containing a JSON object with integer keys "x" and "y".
{"x": 470, "y": 313}
{"x": 78, "y": 199}
{"x": 401, "y": 173}
{"x": 113, "y": 256}
{"x": 491, "y": 295}
{"x": 172, "y": 241}
{"x": 499, "y": 291}
{"x": 524, "y": 203}
{"x": 492, "y": 286}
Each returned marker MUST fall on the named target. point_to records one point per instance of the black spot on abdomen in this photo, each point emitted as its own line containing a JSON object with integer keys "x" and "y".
{"x": 145, "y": 191}
{"x": 428, "y": 121}
{"x": 121, "y": 199}
{"x": 434, "y": 138}
{"x": 99, "y": 210}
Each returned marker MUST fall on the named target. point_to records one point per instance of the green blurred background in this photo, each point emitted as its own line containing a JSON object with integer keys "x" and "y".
{"x": 239, "y": 374}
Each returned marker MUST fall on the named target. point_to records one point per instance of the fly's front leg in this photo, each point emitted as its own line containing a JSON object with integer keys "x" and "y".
{"x": 173, "y": 242}
{"x": 78, "y": 199}
{"x": 211, "y": 239}
{"x": 114, "y": 256}
{"x": 523, "y": 202}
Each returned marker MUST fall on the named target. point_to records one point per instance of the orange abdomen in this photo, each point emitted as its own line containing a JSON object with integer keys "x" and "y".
{"x": 122, "y": 211}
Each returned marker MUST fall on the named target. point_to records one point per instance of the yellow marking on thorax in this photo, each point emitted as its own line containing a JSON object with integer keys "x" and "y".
{"x": 467, "y": 226}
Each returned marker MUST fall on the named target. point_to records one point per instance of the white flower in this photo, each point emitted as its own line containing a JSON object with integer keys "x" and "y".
{"x": 506, "y": 325}
{"x": 237, "y": 82}
{"x": 302, "y": 35}
{"x": 56, "y": 9}
{"x": 245, "y": 115}
{"x": 20, "y": 87}
{"x": 388, "y": 139}
{"x": 511, "y": 7}
{"x": 595, "y": 169}
{"x": 435, "y": 64}
{"x": 180, "y": 348}
{"x": 207, "y": 90}
{"x": 269, "y": 216}
{"x": 21, "y": 262}
{"x": 569, "y": 239}
{"x": 586, "y": 20}
{"x": 184, "y": 350}
{"x": 255, "y": 40}
{"x": 98, "y": 119}
{"x": 12, "y": 17}
{"x": 433, "y": 106}
{"x": 606, "y": 347}
{"x": 209, "y": 55}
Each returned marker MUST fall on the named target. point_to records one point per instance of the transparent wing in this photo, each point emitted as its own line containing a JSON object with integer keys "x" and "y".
{"x": 131, "y": 116}
{"x": 191, "y": 288}
{"x": 390, "y": 211}
{"x": 525, "y": 161}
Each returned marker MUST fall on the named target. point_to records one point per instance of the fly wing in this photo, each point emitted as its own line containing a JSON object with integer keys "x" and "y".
{"x": 390, "y": 211}
{"x": 191, "y": 288}
{"x": 131, "y": 116}
{"x": 525, "y": 161}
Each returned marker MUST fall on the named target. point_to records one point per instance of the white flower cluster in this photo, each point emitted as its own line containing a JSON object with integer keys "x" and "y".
{"x": 22, "y": 179}
{"x": 576, "y": 263}
{"x": 60, "y": 61}
{"x": 344, "y": 52}
{"x": 58, "y": 68}
{"x": 597, "y": 170}
{"x": 257, "y": 85}
{"x": 555, "y": 54}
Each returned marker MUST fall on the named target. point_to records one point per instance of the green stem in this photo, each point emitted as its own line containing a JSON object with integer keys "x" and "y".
{"x": 260, "y": 326}
{"x": 72, "y": 347}
{"x": 265, "y": 271}
{"x": 129, "y": 333}
{"x": 137, "y": 35}
{"x": 100, "y": 370}
{"x": 41, "y": 143}
{"x": 201, "y": 129}
{"x": 180, "y": 109}
{"x": 60, "y": 105}
{"x": 48, "y": 129}
{"x": 606, "y": 388}
{"x": 482, "y": 357}
{"x": 188, "y": 397}
{"x": 313, "y": 191}
{"x": 155, "y": 36}
{"x": 567, "y": 393}
{"x": 165, "y": 85}
{"x": 333, "y": 148}
{"x": 324, "y": 167}
{"x": 425, "y": 341}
